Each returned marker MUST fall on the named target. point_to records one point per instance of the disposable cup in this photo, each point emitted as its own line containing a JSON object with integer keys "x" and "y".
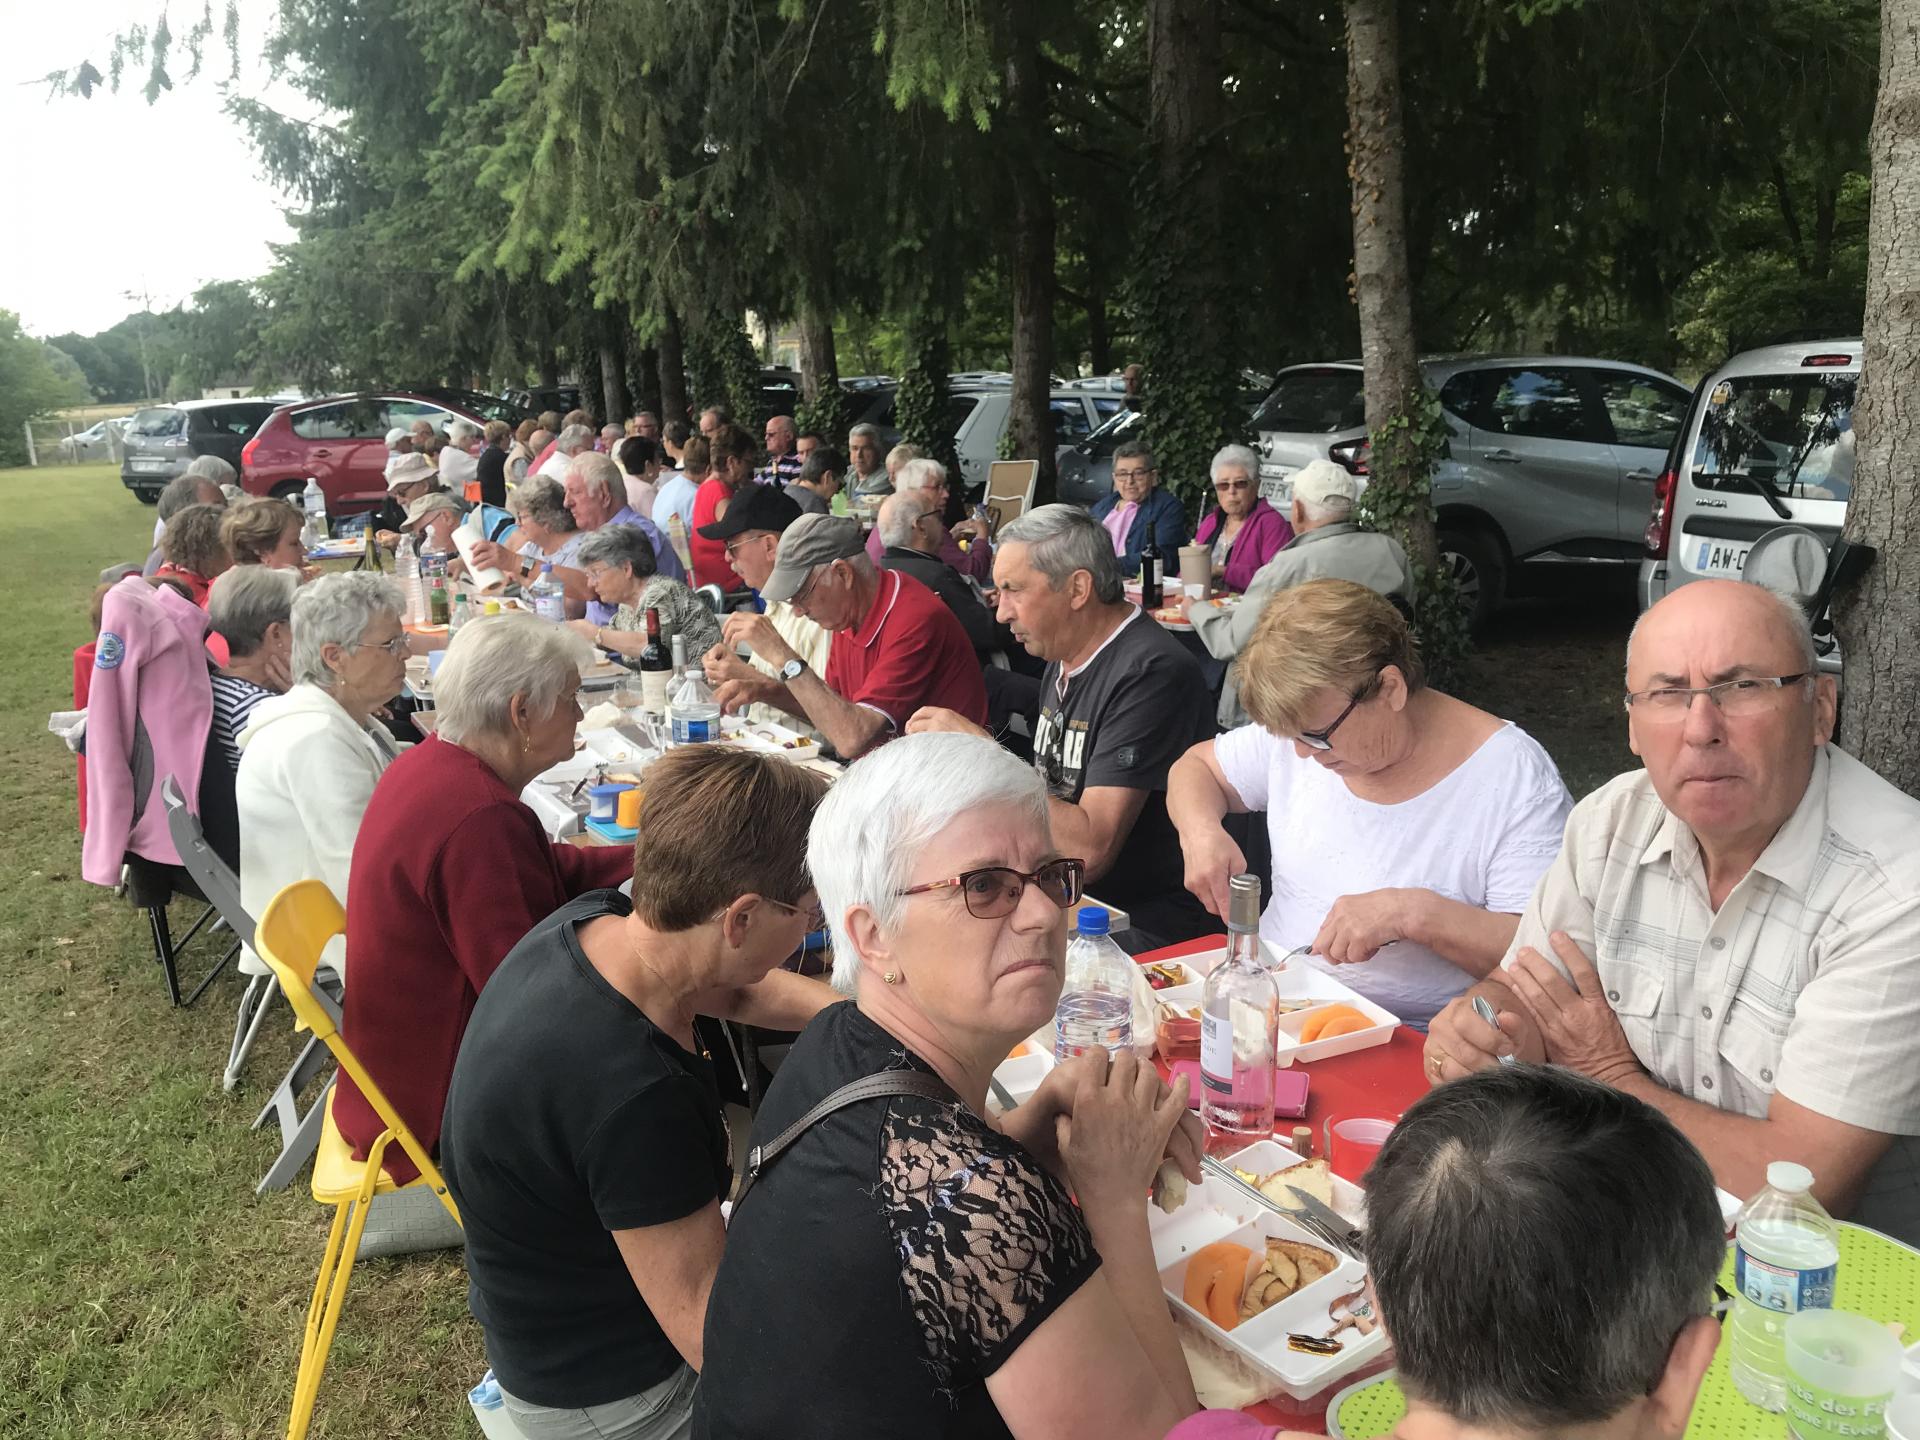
{"x": 1841, "y": 1371}
{"x": 1353, "y": 1142}
{"x": 1903, "y": 1418}
{"x": 1196, "y": 570}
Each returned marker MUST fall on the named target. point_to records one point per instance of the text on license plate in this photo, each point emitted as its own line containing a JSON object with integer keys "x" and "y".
{"x": 149, "y": 464}
{"x": 1721, "y": 558}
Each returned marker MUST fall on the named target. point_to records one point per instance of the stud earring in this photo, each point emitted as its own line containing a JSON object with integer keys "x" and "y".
{"x": 891, "y": 978}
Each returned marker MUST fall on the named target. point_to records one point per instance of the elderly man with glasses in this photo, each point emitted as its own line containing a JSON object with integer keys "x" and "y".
{"x": 1731, "y": 932}
{"x": 895, "y": 649}
{"x": 928, "y": 478}
{"x": 1138, "y": 507}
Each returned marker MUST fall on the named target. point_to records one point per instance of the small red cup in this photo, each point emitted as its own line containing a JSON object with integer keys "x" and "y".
{"x": 1353, "y": 1141}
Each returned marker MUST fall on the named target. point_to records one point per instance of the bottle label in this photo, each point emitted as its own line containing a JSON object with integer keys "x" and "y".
{"x": 1216, "y": 1053}
{"x": 653, "y": 690}
{"x": 693, "y": 732}
{"x": 1781, "y": 1288}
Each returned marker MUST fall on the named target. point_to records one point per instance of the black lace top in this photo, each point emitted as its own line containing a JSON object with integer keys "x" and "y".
{"x": 885, "y": 1265}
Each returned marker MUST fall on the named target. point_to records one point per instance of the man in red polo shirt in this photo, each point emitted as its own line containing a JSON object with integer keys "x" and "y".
{"x": 896, "y": 646}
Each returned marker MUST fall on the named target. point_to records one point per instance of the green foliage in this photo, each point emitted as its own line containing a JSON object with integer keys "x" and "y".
{"x": 36, "y": 379}
{"x": 1411, "y": 445}
{"x": 827, "y": 415}
{"x": 921, "y": 409}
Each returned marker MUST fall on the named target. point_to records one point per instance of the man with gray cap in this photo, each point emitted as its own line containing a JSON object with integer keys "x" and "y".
{"x": 895, "y": 648}
{"x": 1327, "y": 544}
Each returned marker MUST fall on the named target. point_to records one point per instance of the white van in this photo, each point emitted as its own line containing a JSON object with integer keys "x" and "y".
{"x": 1768, "y": 441}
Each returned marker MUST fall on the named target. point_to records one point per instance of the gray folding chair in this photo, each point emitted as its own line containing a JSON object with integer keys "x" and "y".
{"x": 299, "y": 1134}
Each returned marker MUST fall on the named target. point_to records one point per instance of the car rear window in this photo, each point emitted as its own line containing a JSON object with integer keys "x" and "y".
{"x": 160, "y": 420}
{"x": 1792, "y": 433}
{"x": 241, "y": 420}
{"x": 1315, "y": 402}
{"x": 348, "y": 420}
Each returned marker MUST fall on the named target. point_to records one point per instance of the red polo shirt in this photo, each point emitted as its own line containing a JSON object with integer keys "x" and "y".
{"x": 909, "y": 651}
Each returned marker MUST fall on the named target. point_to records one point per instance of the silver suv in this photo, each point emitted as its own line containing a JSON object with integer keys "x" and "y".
{"x": 1551, "y": 459}
{"x": 160, "y": 441}
{"x": 1769, "y": 441}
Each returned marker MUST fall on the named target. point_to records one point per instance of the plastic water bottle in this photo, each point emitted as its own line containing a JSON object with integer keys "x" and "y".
{"x": 1785, "y": 1258}
{"x": 406, "y": 565}
{"x": 490, "y": 1409}
{"x": 1096, "y": 1003}
{"x": 693, "y": 715}
{"x": 313, "y": 502}
{"x": 549, "y": 600}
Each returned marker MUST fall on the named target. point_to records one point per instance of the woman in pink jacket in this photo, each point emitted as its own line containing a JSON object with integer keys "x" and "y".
{"x": 1244, "y": 531}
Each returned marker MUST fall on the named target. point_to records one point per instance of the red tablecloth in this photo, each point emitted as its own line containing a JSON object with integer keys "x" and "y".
{"x": 1382, "y": 1081}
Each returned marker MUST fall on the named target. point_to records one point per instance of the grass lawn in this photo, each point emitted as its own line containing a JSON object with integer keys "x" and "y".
{"x": 146, "y": 1290}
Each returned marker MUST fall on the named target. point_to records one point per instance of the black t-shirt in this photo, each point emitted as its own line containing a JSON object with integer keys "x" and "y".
{"x": 1134, "y": 709}
{"x": 885, "y": 1265}
{"x": 570, "y": 1115}
{"x": 492, "y": 475}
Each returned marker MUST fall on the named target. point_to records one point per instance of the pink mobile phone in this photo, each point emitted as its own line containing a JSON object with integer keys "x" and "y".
{"x": 1289, "y": 1088}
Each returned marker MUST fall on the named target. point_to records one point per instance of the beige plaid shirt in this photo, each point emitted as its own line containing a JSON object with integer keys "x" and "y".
{"x": 1807, "y": 980}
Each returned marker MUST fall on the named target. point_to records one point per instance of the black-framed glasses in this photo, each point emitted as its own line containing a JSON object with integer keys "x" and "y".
{"x": 993, "y": 892}
{"x": 1323, "y": 739}
{"x": 1749, "y": 695}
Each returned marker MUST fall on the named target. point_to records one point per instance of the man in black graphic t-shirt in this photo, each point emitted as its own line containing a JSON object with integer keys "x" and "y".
{"x": 1119, "y": 703}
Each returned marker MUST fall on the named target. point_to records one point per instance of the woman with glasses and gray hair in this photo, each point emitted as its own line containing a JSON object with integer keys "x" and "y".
{"x": 1407, "y": 827}
{"x": 1243, "y": 531}
{"x": 451, "y": 868}
{"x": 622, "y": 568}
{"x": 966, "y": 1292}
{"x": 309, "y": 759}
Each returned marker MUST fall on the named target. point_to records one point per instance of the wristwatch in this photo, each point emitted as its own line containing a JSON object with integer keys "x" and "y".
{"x": 792, "y": 671}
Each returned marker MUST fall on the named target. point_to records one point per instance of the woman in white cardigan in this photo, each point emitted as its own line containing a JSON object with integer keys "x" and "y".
{"x": 309, "y": 758}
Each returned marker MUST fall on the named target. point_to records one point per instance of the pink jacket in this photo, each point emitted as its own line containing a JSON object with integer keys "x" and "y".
{"x": 148, "y": 713}
{"x": 1259, "y": 541}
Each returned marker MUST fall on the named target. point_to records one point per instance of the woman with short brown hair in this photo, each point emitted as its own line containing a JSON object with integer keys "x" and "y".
{"x": 583, "y": 1136}
{"x": 265, "y": 532}
{"x": 1408, "y": 828}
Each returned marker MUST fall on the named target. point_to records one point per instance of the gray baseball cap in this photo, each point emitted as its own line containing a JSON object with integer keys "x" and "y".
{"x": 810, "y": 541}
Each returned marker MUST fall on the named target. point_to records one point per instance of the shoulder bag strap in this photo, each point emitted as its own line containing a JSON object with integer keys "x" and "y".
{"x": 871, "y": 1087}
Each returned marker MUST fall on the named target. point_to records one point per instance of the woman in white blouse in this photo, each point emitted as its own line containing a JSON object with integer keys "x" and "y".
{"x": 1408, "y": 827}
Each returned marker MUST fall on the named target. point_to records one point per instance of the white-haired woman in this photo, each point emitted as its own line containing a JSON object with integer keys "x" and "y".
{"x": 967, "y": 1294}
{"x": 451, "y": 868}
{"x": 459, "y": 467}
{"x": 623, "y": 569}
{"x": 1242, "y": 530}
{"x": 928, "y": 478}
{"x": 309, "y": 759}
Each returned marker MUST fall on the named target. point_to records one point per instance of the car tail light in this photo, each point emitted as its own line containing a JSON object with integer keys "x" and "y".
{"x": 1351, "y": 455}
{"x": 1660, "y": 521}
{"x": 1826, "y": 361}
{"x": 247, "y": 451}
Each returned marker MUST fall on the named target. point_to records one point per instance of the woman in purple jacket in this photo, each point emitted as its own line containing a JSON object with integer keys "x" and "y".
{"x": 1244, "y": 531}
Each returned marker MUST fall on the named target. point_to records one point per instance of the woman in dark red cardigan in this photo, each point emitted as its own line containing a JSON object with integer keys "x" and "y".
{"x": 451, "y": 868}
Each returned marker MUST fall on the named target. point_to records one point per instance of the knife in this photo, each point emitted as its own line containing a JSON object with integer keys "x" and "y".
{"x": 1345, "y": 1233}
{"x": 1307, "y": 1222}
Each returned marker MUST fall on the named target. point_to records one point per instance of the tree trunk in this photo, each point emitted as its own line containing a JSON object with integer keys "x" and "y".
{"x": 673, "y": 372}
{"x": 1099, "y": 338}
{"x": 1189, "y": 335}
{"x": 613, "y": 377}
{"x": 1878, "y": 618}
{"x": 646, "y": 380}
{"x": 549, "y": 367}
{"x": 1382, "y": 290}
{"x": 819, "y": 365}
{"x": 1028, "y": 150}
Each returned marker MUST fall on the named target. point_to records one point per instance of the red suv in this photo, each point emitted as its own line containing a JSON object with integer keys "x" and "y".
{"x": 341, "y": 442}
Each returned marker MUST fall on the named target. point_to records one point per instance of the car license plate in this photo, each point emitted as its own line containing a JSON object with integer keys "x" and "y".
{"x": 1719, "y": 557}
{"x": 1276, "y": 484}
{"x": 148, "y": 464}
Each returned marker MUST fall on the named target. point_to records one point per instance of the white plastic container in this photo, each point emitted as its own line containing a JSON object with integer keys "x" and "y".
{"x": 1291, "y": 1049}
{"x": 1217, "y": 1210}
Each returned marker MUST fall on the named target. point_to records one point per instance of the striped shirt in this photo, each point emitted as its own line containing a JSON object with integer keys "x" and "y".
{"x": 233, "y": 702}
{"x": 1806, "y": 981}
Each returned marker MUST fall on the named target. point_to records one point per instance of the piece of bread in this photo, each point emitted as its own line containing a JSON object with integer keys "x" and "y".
{"x": 1169, "y": 1187}
{"x": 1312, "y": 1176}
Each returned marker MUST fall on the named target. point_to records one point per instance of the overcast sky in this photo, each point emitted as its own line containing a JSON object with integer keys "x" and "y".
{"x": 114, "y": 196}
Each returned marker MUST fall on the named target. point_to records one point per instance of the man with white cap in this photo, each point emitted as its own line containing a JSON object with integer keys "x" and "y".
{"x": 399, "y": 444}
{"x": 1327, "y": 544}
{"x": 410, "y": 477}
{"x": 896, "y": 647}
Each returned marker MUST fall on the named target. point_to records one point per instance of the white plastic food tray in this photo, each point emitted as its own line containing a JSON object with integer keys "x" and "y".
{"x": 1304, "y": 982}
{"x": 1217, "y": 1210}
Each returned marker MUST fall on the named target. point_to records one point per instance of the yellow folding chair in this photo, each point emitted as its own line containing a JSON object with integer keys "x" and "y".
{"x": 294, "y": 929}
